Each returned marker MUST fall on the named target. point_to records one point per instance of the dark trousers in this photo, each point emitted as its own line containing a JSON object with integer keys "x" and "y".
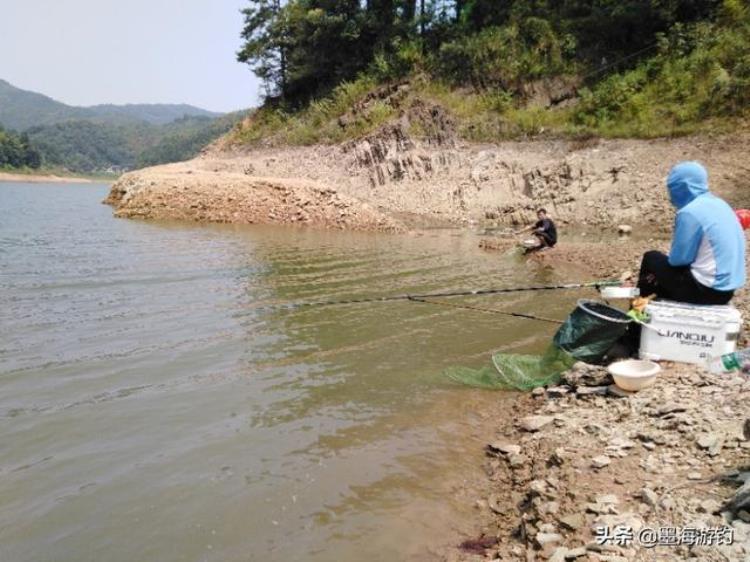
{"x": 545, "y": 239}
{"x": 659, "y": 278}
{"x": 665, "y": 281}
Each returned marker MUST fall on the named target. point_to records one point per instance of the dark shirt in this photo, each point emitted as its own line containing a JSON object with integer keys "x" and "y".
{"x": 547, "y": 228}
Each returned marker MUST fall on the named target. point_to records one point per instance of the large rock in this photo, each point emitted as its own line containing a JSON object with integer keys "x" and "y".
{"x": 583, "y": 374}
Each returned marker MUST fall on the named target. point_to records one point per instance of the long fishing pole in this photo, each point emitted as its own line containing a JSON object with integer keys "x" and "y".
{"x": 491, "y": 311}
{"x": 463, "y": 293}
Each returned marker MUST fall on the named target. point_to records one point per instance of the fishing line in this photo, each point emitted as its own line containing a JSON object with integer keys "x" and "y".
{"x": 491, "y": 310}
{"x": 414, "y": 297}
{"x": 618, "y": 61}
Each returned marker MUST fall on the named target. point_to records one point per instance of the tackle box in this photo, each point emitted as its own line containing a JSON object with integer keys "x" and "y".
{"x": 689, "y": 333}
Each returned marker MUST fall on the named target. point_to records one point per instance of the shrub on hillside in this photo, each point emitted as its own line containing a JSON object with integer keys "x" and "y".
{"x": 698, "y": 73}
{"x": 504, "y": 57}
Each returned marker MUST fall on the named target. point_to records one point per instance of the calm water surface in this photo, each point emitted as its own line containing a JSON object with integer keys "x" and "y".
{"x": 150, "y": 411}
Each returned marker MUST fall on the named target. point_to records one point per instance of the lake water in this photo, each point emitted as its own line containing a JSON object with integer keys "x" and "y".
{"x": 151, "y": 411}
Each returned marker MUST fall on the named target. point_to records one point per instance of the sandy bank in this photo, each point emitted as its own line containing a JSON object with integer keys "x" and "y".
{"x": 41, "y": 178}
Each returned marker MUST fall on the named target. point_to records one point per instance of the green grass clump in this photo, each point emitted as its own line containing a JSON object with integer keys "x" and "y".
{"x": 320, "y": 122}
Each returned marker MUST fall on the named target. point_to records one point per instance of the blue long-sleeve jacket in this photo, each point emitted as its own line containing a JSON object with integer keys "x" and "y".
{"x": 707, "y": 235}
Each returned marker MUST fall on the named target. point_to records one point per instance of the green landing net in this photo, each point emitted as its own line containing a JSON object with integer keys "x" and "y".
{"x": 586, "y": 335}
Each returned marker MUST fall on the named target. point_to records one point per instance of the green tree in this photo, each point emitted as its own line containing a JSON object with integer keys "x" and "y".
{"x": 17, "y": 151}
{"x": 266, "y": 44}
{"x": 304, "y": 48}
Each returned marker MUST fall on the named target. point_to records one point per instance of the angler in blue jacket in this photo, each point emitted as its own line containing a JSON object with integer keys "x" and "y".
{"x": 707, "y": 261}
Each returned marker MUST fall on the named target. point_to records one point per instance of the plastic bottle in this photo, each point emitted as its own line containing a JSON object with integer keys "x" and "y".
{"x": 736, "y": 361}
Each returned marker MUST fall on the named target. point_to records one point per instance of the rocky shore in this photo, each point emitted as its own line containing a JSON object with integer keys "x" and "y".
{"x": 178, "y": 191}
{"x": 584, "y": 459}
{"x": 596, "y": 474}
{"x": 588, "y": 472}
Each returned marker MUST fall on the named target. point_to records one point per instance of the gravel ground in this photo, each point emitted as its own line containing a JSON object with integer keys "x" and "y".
{"x": 669, "y": 459}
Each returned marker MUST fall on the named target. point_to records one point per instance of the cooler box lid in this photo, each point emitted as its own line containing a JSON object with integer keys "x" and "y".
{"x": 672, "y": 311}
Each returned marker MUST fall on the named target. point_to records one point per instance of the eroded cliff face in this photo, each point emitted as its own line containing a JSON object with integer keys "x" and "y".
{"x": 393, "y": 179}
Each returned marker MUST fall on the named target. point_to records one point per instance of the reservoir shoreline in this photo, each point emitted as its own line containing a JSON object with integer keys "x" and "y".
{"x": 47, "y": 178}
{"x": 388, "y": 182}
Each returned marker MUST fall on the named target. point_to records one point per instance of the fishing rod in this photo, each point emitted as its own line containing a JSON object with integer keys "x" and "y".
{"x": 463, "y": 293}
{"x": 491, "y": 311}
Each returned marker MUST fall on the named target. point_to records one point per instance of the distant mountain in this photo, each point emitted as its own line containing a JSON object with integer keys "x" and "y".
{"x": 22, "y": 110}
{"x": 154, "y": 113}
{"x": 101, "y": 138}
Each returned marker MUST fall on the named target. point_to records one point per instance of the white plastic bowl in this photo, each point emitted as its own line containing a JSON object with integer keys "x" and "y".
{"x": 530, "y": 243}
{"x": 634, "y": 374}
{"x": 619, "y": 292}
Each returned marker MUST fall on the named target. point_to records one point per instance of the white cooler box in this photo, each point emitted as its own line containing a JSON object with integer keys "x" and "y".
{"x": 689, "y": 333}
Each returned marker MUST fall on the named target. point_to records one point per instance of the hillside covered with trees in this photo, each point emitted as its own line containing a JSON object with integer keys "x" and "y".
{"x": 101, "y": 138}
{"x": 502, "y": 68}
{"x": 88, "y": 146}
{"x": 16, "y": 151}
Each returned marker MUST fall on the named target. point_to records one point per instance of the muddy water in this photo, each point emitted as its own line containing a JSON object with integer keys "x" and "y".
{"x": 149, "y": 410}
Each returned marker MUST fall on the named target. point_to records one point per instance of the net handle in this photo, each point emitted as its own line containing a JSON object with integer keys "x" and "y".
{"x": 583, "y": 302}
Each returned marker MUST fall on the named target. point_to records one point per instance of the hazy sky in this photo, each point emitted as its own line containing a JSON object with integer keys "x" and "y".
{"x": 84, "y": 52}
